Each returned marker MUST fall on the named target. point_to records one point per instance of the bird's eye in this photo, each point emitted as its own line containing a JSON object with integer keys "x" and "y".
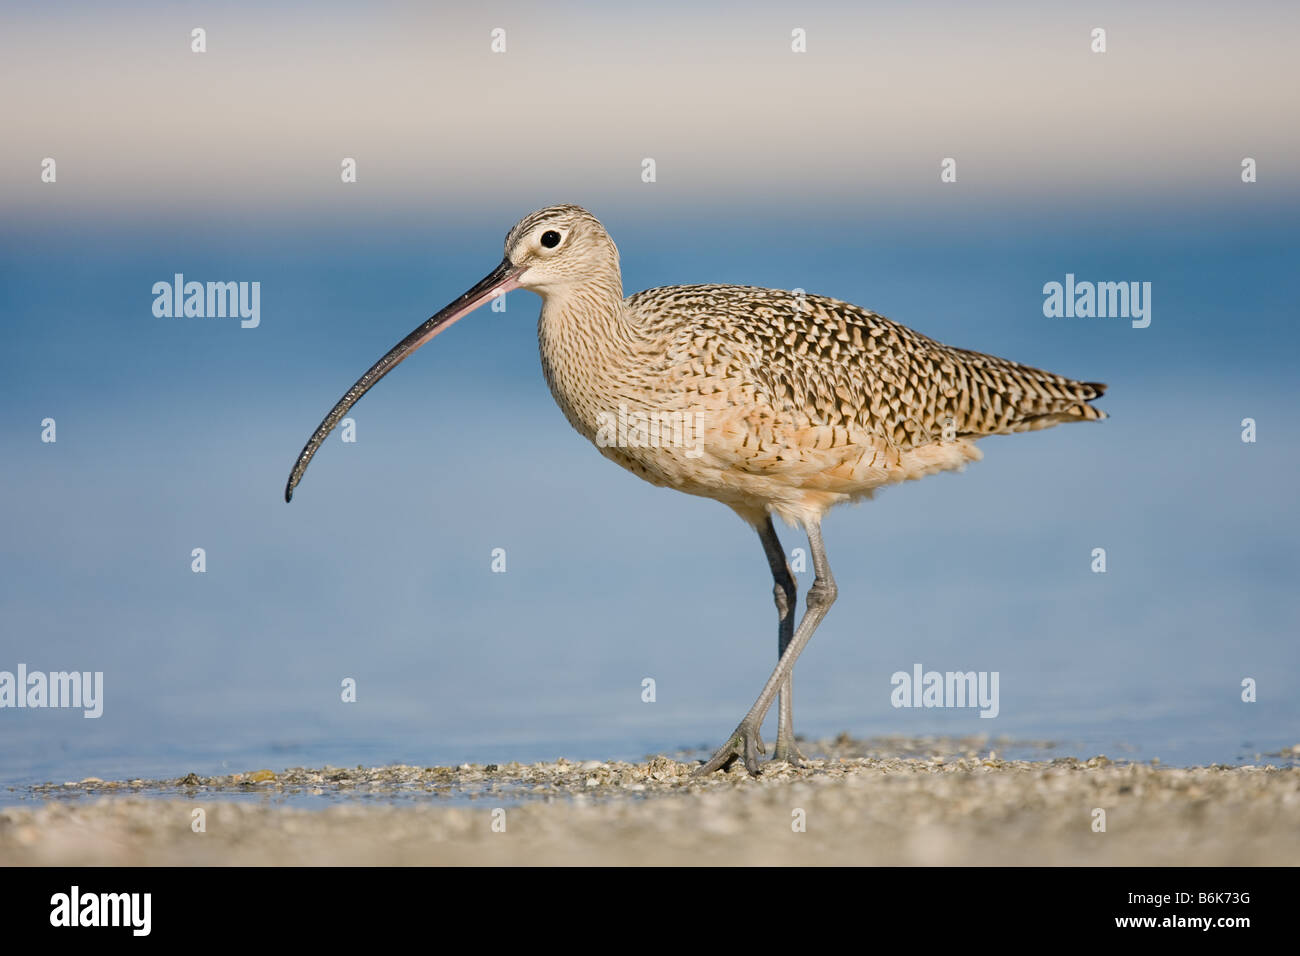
{"x": 550, "y": 238}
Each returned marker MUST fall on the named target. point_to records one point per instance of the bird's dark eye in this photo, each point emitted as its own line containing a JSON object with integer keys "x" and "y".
{"x": 550, "y": 238}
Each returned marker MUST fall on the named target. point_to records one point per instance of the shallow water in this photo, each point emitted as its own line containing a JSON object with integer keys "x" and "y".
{"x": 176, "y": 435}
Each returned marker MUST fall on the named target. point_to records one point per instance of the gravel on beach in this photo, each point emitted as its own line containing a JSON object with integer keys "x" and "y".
{"x": 962, "y": 807}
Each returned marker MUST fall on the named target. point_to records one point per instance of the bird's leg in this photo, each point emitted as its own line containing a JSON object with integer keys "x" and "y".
{"x": 745, "y": 741}
{"x": 785, "y": 593}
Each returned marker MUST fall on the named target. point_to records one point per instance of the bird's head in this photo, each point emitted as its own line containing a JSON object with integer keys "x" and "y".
{"x": 559, "y": 248}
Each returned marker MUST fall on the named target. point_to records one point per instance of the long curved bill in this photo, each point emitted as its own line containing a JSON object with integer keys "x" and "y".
{"x": 501, "y": 279}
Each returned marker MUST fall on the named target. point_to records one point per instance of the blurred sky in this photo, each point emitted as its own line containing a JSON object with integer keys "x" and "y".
{"x": 818, "y": 170}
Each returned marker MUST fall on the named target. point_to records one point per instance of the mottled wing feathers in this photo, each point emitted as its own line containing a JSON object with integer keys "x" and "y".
{"x": 848, "y": 373}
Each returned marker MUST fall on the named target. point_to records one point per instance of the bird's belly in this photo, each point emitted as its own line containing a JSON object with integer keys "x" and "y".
{"x": 730, "y": 445}
{"x": 795, "y": 470}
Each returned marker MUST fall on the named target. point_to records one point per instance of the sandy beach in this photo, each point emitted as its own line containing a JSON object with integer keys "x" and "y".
{"x": 963, "y": 807}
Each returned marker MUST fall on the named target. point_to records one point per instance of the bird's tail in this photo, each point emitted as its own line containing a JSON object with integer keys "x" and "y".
{"x": 1001, "y": 397}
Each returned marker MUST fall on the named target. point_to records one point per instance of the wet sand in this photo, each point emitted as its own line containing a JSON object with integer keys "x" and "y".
{"x": 963, "y": 808}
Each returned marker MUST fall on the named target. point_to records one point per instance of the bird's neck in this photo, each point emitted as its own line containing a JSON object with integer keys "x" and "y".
{"x": 587, "y": 343}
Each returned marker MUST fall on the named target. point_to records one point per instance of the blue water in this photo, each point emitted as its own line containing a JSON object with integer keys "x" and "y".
{"x": 179, "y": 433}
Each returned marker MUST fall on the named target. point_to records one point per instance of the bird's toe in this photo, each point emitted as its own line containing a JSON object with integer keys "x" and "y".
{"x": 745, "y": 744}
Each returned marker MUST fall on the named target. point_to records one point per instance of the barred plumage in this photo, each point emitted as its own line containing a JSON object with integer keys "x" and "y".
{"x": 804, "y": 401}
{"x": 826, "y": 361}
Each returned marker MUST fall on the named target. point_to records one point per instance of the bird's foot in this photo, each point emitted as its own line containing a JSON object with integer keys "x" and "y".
{"x": 744, "y": 743}
{"x": 787, "y": 752}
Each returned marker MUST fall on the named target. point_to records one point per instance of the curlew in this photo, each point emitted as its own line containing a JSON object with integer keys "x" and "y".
{"x": 771, "y": 402}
